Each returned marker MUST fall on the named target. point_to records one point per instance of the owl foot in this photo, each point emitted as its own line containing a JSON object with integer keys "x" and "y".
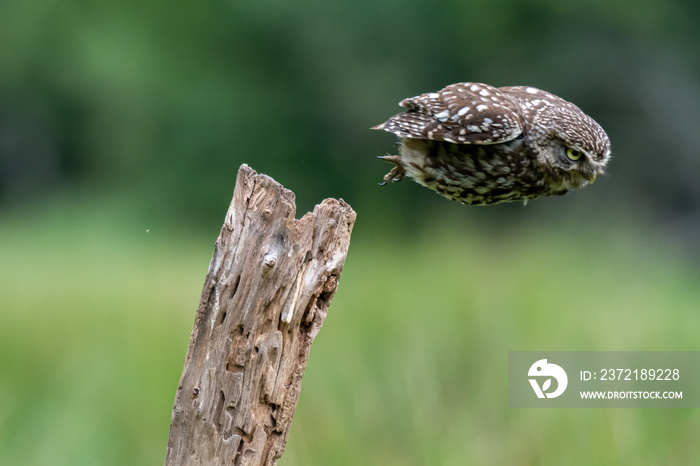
{"x": 396, "y": 173}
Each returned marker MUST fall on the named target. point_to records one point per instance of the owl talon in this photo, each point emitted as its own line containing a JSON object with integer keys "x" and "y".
{"x": 396, "y": 173}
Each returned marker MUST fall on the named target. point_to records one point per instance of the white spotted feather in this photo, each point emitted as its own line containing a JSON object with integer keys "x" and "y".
{"x": 464, "y": 113}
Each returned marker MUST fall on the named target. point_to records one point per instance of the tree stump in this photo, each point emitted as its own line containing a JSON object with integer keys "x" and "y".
{"x": 265, "y": 297}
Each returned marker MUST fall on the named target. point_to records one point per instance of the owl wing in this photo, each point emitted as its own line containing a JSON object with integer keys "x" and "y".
{"x": 463, "y": 113}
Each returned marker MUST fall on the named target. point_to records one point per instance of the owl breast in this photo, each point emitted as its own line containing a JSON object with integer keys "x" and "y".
{"x": 473, "y": 174}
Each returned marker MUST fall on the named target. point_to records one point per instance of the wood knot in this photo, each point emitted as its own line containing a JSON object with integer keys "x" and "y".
{"x": 330, "y": 286}
{"x": 269, "y": 262}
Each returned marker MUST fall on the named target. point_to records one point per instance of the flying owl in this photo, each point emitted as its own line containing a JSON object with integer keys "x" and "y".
{"x": 478, "y": 144}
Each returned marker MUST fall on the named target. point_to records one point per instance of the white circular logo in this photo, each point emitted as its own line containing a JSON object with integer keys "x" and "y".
{"x": 546, "y": 372}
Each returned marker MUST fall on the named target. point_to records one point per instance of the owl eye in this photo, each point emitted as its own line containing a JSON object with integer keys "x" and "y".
{"x": 573, "y": 154}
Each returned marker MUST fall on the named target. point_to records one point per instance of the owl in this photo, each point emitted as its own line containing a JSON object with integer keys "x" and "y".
{"x": 480, "y": 145}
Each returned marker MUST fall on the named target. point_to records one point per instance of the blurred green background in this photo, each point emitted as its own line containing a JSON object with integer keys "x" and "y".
{"x": 123, "y": 124}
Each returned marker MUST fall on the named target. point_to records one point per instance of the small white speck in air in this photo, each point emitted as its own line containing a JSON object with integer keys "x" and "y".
{"x": 433, "y": 95}
{"x": 531, "y": 90}
{"x": 463, "y": 110}
{"x": 481, "y": 108}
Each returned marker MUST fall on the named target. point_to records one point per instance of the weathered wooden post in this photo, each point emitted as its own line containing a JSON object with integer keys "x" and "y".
{"x": 265, "y": 297}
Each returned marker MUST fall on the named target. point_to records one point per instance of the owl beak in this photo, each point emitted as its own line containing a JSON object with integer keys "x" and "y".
{"x": 591, "y": 177}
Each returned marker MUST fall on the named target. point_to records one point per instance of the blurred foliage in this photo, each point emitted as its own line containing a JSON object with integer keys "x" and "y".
{"x": 411, "y": 365}
{"x": 118, "y": 118}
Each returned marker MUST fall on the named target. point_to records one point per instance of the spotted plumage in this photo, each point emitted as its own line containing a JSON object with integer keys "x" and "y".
{"x": 480, "y": 145}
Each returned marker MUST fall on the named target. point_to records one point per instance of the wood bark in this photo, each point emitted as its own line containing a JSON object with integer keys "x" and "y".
{"x": 266, "y": 295}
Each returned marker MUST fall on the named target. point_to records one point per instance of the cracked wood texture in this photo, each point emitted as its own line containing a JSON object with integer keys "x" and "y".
{"x": 265, "y": 297}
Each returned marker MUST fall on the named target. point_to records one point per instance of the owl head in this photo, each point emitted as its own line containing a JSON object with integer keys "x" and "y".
{"x": 572, "y": 148}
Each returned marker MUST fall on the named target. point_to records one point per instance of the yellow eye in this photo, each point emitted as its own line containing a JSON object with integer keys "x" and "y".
{"x": 573, "y": 154}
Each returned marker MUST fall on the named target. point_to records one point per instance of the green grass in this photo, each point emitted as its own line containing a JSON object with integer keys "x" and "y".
{"x": 411, "y": 365}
